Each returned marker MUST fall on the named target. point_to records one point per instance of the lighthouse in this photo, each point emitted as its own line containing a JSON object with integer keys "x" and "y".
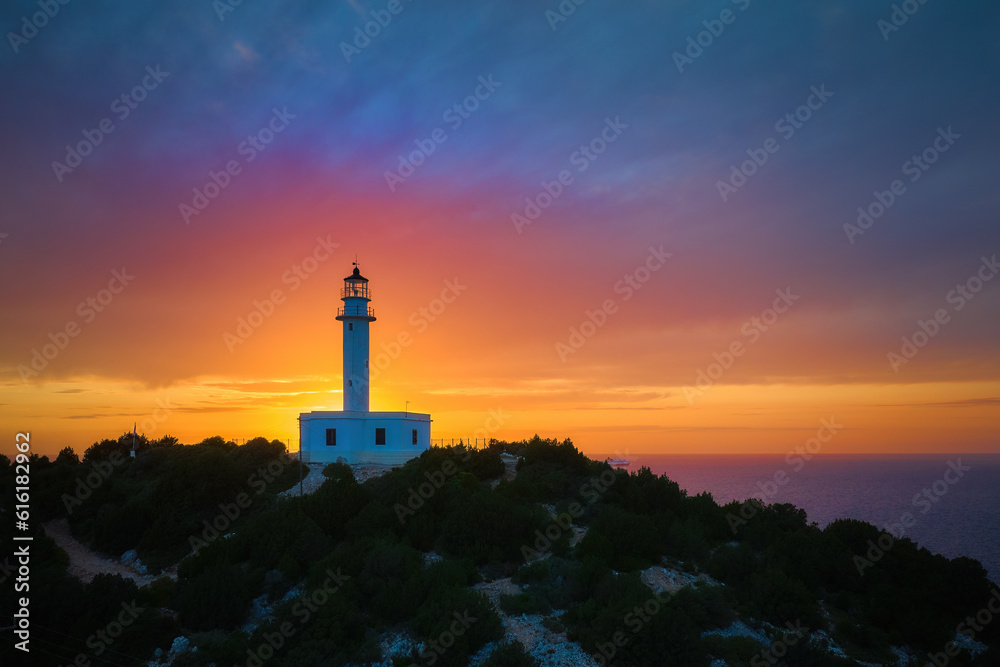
{"x": 355, "y": 434}
{"x": 356, "y": 315}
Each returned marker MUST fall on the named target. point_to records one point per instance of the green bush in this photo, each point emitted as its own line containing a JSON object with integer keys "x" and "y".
{"x": 624, "y": 540}
{"x": 524, "y": 603}
{"x": 510, "y": 654}
{"x": 487, "y": 527}
{"x": 733, "y": 650}
{"x": 447, "y": 609}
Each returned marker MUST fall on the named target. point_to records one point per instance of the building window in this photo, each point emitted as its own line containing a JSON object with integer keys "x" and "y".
{"x": 350, "y": 383}
{"x": 380, "y": 436}
{"x": 331, "y": 437}
{"x": 414, "y": 436}
{"x": 350, "y": 326}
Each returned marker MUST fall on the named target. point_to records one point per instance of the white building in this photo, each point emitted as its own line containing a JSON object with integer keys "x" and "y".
{"x": 356, "y": 434}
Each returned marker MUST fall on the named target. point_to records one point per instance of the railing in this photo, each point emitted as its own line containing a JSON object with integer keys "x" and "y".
{"x": 360, "y": 291}
{"x": 356, "y": 312}
{"x": 475, "y": 443}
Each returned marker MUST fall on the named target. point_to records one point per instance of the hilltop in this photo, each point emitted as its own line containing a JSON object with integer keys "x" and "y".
{"x": 524, "y": 553}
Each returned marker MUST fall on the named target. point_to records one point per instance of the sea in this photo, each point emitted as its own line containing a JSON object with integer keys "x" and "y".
{"x": 954, "y": 499}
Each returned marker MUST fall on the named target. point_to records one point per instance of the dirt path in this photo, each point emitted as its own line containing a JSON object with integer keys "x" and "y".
{"x": 312, "y": 481}
{"x": 315, "y": 478}
{"x": 85, "y": 564}
{"x": 509, "y": 471}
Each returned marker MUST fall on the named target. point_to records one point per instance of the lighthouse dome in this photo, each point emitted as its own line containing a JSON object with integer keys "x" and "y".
{"x": 356, "y": 276}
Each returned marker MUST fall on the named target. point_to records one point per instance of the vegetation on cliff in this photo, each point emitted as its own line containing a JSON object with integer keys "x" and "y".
{"x": 326, "y": 578}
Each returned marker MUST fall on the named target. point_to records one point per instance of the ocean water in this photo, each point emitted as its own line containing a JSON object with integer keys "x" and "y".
{"x": 960, "y": 517}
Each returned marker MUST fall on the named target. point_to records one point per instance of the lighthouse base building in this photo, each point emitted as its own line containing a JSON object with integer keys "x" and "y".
{"x": 391, "y": 438}
{"x": 356, "y": 435}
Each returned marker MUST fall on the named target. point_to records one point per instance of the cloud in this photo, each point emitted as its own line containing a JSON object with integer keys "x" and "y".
{"x": 965, "y": 403}
{"x": 246, "y": 52}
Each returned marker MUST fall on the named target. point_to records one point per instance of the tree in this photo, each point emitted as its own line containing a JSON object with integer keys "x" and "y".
{"x": 67, "y": 457}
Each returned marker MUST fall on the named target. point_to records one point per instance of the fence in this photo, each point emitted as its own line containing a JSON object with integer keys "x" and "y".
{"x": 475, "y": 443}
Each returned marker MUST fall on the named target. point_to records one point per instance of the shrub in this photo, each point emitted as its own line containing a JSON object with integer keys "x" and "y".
{"x": 510, "y": 654}
{"x": 733, "y": 650}
{"x": 624, "y": 540}
{"x": 524, "y": 603}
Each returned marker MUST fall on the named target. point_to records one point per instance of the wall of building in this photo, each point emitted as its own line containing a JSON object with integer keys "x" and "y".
{"x": 356, "y": 436}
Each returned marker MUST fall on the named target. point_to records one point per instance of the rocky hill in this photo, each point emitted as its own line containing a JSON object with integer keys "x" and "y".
{"x": 524, "y": 553}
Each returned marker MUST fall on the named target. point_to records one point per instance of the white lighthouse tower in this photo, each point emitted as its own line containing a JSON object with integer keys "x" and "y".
{"x": 355, "y": 434}
{"x": 356, "y": 316}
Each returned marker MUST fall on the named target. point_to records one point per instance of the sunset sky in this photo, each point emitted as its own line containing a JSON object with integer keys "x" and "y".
{"x": 641, "y": 123}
